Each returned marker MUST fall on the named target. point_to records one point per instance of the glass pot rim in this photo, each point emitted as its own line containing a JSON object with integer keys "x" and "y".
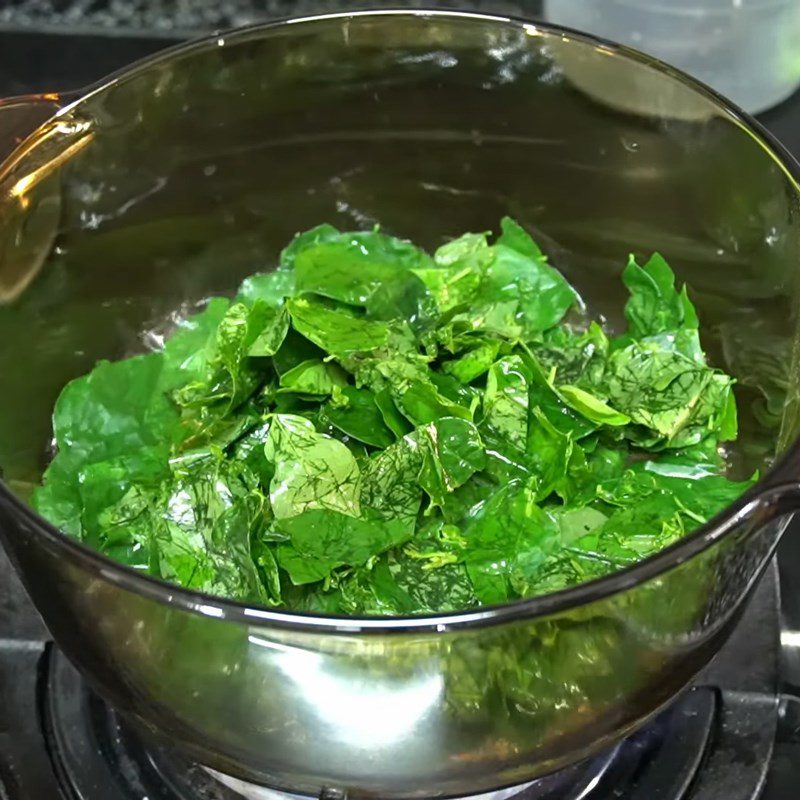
{"x": 760, "y": 503}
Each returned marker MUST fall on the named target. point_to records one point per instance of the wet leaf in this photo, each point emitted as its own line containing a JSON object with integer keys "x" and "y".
{"x": 368, "y": 429}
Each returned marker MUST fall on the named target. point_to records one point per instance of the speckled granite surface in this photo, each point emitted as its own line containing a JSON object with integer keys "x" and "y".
{"x": 187, "y": 17}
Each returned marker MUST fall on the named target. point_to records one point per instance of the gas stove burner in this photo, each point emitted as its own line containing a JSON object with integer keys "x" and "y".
{"x": 97, "y": 756}
{"x": 572, "y": 782}
{"x": 249, "y": 791}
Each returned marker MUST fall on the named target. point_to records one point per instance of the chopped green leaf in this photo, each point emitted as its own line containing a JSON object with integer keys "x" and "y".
{"x": 355, "y": 412}
{"x": 323, "y": 540}
{"x": 368, "y": 429}
{"x": 310, "y": 470}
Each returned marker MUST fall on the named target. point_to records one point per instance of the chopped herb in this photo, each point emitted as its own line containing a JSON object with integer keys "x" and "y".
{"x": 370, "y": 429}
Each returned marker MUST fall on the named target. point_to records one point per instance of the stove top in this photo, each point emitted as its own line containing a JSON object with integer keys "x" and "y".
{"x": 59, "y": 740}
{"x": 734, "y": 736}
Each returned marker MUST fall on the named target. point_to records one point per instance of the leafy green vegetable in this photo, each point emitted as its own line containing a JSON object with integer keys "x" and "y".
{"x": 591, "y": 407}
{"x": 310, "y": 470}
{"x": 336, "y": 330}
{"x": 519, "y": 272}
{"x": 390, "y": 488}
{"x": 323, "y": 540}
{"x": 511, "y": 535}
{"x": 505, "y": 403}
{"x": 356, "y": 413}
{"x": 314, "y": 377}
{"x": 453, "y": 453}
{"x": 655, "y": 306}
{"x": 369, "y": 429}
{"x": 351, "y": 267}
{"x": 677, "y": 401}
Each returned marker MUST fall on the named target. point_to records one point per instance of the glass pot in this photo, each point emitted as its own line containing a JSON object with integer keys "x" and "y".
{"x": 173, "y": 180}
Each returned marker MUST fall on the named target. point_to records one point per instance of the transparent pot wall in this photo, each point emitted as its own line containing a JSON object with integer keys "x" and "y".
{"x": 179, "y": 180}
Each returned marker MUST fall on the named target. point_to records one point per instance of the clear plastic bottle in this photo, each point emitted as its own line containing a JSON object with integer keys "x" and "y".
{"x": 748, "y": 50}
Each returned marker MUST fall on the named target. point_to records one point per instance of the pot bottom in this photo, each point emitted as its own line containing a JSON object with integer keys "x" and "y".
{"x": 93, "y": 748}
{"x": 686, "y": 752}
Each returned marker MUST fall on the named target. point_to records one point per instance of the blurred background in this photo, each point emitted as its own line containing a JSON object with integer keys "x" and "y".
{"x": 748, "y": 50}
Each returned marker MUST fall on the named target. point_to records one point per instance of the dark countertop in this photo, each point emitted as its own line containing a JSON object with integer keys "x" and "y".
{"x": 784, "y": 122}
{"x": 170, "y": 18}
